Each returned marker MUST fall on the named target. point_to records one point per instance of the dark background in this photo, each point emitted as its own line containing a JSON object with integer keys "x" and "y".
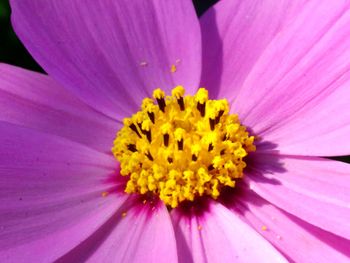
{"x": 13, "y": 52}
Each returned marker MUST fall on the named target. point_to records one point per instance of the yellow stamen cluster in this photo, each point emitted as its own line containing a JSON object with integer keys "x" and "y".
{"x": 182, "y": 147}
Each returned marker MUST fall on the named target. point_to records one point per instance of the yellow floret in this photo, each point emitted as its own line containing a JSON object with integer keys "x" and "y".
{"x": 179, "y": 154}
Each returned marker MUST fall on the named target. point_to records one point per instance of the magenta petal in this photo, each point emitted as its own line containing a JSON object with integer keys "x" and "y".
{"x": 234, "y": 35}
{"x": 323, "y": 130}
{"x": 112, "y": 53}
{"x": 299, "y": 240}
{"x": 35, "y": 101}
{"x": 137, "y": 234}
{"x": 57, "y": 243}
{"x": 50, "y": 194}
{"x": 308, "y": 61}
{"x": 313, "y": 189}
{"x": 220, "y": 236}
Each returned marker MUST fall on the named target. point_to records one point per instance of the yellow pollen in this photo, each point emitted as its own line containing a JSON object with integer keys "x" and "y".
{"x": 202, "y": 96}
{"x": 124, "y": 214}
{"x": 158, "y": 94}
{"x": 178, "y": 92}
{"x": 182, "y": 147}
{"x": 173, "y": 68}
{"x": 264, "y": 228}
{"x": 104, "y": 194}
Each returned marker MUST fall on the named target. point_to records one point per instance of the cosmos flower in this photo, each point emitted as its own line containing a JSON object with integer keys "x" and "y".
{"x": 244, "y": 180}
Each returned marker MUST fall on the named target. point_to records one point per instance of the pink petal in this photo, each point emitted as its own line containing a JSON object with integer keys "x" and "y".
{"x": 112, "y": 53}
{"x": 142, "y": 234}
{"x": 56, "y": 244}
{"x": 50, "y": 194}
{"x": 307, "y": 62}
{"x": 300, "y": 241}
{"x": 35, "y": 101}
{"x": 219, "y": 235}
{"x": 323, "y": 130}
{"x": 313, "y": 189}
{"x": 234, "y": 35}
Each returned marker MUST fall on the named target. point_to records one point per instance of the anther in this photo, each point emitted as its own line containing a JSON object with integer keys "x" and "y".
{"x": 166, "y": 129}
{"x": 181, "y": 103}
{"x": 180, "y": 144}
{"x": 148, "y": 135}
{"x": 195, "y": 149}
{"x": 201, "y": 97}
{"x": 146, "y": 129}
{"x": 212, "y": 124}
{"x": 149, "y": 156}
{"x": 159, "y": 95}
{"x": 201, "y": 108}
{"x": 151, "y": 116}
{"x": 179, "y": 135}
{"x": 178, "y": 93}
{"x": 217, "y": 119}
{"x": 133, "y": 127}
{"x": 149, "y": 107}
{"x": 132, "y": 147}
{"x": 161, "y": 104}
{"x": 166, "y": 139}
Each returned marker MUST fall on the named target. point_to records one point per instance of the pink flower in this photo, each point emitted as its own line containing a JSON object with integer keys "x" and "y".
{"x": 284, "y": 66}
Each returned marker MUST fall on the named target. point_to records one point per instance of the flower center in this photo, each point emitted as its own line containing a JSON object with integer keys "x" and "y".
{"x": 183, "y": 148}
